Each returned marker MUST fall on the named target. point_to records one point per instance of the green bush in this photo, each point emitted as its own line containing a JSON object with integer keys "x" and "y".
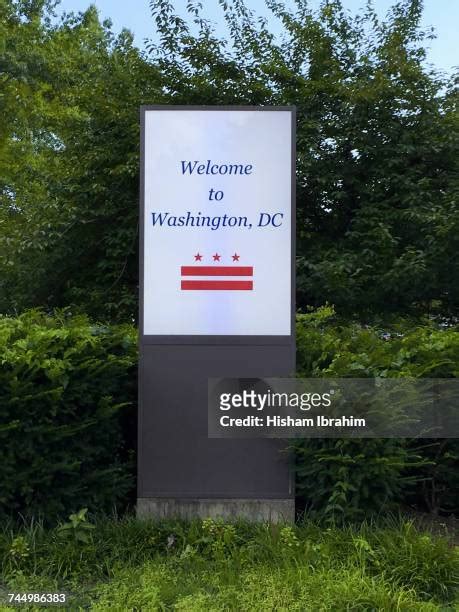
{"x": 351, "y": 479}
{"x": 68, "y": 423}
{"x": 348, "y": 480}
{"x": 67, "y": 390}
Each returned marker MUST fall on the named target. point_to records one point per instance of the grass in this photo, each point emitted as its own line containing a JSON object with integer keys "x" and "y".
{"x": 128, "y": 564}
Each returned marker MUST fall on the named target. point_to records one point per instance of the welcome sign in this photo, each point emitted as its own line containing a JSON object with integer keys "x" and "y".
{"x": 216, "y": 253}
{"x": 216, "y": 301}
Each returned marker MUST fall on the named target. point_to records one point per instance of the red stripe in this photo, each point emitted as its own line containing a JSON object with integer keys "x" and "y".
{"x": 217, "y": 284}
{"x": 217, "y": 271}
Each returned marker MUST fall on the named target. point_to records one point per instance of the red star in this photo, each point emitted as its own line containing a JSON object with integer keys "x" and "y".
{"x": 197, "y": 257}
{"x": 236, "y": 257}
{"x": 217, "y": 257}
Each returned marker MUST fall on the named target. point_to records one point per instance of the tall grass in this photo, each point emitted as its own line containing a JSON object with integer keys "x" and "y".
{"x": 127, "y": 564}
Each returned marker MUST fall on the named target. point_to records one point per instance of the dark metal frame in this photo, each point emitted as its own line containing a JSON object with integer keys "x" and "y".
{"x": 216, "y": 339}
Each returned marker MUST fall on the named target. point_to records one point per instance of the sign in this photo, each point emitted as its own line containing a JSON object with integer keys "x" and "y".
{"x": 216, "y": 300}
{"x": 217, "y": 221}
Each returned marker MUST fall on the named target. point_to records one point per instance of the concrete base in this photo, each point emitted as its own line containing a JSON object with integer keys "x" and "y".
{"x": 255, "y": 510}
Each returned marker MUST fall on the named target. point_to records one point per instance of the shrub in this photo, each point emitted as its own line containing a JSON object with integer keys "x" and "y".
{"x": 66, "y": 389}
{"x": 67, "y": 417}
{"x": 347, "y": 480}
{"x": 350, "y": 479}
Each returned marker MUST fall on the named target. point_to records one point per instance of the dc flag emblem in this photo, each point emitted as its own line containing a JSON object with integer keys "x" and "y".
{"x": 216, "y": 277}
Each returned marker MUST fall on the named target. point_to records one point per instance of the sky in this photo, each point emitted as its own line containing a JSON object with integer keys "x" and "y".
{"x": 442, "y": 15}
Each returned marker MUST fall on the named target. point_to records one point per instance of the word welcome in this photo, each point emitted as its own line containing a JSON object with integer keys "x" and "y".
{"x": 208, "y": 167}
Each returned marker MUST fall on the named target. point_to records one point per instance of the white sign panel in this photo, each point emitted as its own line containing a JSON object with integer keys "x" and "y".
{"x": 217, "y": 222}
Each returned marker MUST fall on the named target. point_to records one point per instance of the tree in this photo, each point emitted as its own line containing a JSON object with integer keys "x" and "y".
{"x": 377, "y": 146}
{"x": 69, "y": 163}
{"x": 376, "y": 194}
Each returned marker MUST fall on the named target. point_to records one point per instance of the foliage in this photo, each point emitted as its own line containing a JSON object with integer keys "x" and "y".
{"x": 437, "y": 484}
{"x": 19, "y": 549}
{"x": 130, "y": 564}
{"x": 78, "y": 527}
{"x": 377, "y": 225}
{"x": 331, "y": 346}
{"x": 69, "y": 132}
{"x": 61, "y": 377}
{"x": 377, "y": 149}
{"x": 65, "y": 390}
{"x": 350, "y": 479}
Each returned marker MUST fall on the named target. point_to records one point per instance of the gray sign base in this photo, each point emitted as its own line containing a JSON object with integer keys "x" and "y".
{"x": 184, "y": 473}
{"x": 254, "y": 510}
